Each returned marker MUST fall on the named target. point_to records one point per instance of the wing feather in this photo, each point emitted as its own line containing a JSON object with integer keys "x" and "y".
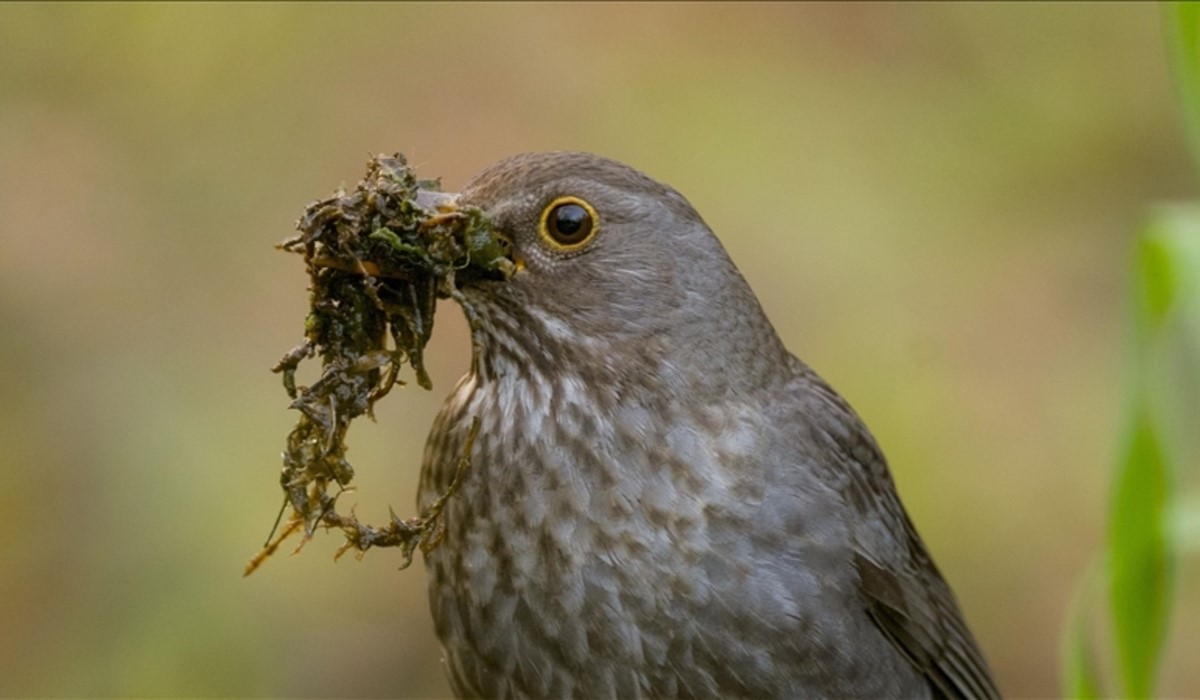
{"x": 901, "y": 588}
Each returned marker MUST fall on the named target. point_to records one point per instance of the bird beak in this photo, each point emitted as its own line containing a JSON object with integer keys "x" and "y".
{"x": 446, "y": 204}
{"x": 490, "y": 252}
{"x": 441, "y": 202}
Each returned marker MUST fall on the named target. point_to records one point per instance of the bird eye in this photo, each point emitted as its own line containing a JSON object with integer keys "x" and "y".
{"x": 568, "y": 223}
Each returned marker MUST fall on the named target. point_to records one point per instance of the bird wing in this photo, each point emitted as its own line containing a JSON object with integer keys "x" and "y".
{"x": 901, "y": 588}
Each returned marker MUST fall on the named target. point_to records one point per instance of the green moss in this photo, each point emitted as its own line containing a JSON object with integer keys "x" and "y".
{"x": 377, "y": 263}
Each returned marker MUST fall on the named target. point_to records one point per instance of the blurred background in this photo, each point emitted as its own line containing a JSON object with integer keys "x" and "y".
{"x": 935, "y": 204}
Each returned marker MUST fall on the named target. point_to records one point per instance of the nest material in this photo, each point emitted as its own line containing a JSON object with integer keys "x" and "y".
{"x": 377, "y": 261}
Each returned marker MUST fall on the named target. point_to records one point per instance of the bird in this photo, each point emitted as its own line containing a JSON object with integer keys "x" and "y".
{"x": 661, "y": 500}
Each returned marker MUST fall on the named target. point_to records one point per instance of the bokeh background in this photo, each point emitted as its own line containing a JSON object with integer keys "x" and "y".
{"x": 935, "y": 204}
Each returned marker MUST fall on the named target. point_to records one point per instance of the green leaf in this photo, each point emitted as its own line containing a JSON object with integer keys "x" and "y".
{"x": 1156, "y": 285}
{"x": 1183, "y": 41}
{"x": 1168, "y": 273}
{"x": 1140, "y": 559}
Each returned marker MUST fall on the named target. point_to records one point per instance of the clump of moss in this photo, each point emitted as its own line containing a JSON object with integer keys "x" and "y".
{"x": 378, "y": 259}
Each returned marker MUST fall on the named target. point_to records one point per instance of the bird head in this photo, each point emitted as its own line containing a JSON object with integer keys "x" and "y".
{"x": 613, "y": 270}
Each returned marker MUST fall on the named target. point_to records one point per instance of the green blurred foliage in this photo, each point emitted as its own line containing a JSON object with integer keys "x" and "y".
{"x": 932, "y": 201}
{"x": 1151, "y": 515}
{"x": 1183, "y": 43}
{"x": 1141, "y": 555}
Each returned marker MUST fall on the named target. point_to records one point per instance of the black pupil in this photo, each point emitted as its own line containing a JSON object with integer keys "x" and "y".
{"x": 571, "y": 222}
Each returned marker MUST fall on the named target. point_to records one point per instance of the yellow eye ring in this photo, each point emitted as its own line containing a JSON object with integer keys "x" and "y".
{"x": 568, "y": 224}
